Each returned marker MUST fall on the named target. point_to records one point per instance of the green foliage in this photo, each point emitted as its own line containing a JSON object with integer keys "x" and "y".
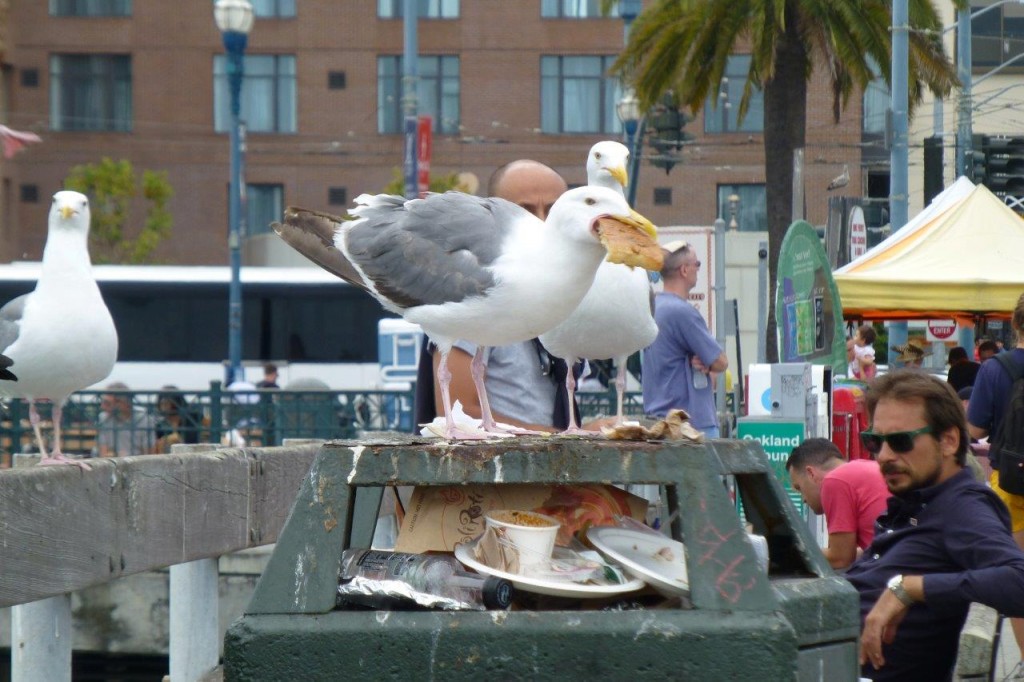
{"x": 438, "y": 183}
{"x": 113, "y": 187}
{"x": 881, "y": 344}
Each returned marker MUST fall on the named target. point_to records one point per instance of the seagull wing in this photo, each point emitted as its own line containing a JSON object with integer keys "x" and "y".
{"x": 429, "y": 251}
{"x": 10, "y": 321}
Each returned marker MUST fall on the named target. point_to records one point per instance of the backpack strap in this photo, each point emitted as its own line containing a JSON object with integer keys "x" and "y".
{"x": 1015, "y": 370}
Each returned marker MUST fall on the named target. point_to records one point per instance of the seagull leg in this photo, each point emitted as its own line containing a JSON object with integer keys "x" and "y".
{"x": 570, "y": 389}
{"x": 620, "y": 389}
{"x": 444, "y": 378}
{"x": 33, "y": 419}
{"x": 56, "y": 456}
{"x": 487, "y": 423}
{"x": 479, "y": 372}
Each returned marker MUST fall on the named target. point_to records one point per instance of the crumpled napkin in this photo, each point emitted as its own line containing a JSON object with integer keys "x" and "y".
{"x": 675, "y": 426}
{"x": 436, "y": 428}
{"x": 491, "y": 551}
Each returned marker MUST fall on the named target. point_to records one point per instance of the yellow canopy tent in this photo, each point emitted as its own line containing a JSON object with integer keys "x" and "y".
{"x": 962, "y": 257}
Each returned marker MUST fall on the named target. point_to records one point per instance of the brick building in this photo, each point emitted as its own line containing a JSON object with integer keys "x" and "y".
{"x": 144, "y": 80}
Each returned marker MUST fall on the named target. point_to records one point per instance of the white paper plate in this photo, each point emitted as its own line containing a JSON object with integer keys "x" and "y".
{"x": 556, "y": 588}
{"x": 657, "y": 560}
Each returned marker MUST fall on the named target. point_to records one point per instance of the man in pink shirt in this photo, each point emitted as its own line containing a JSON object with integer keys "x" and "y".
{"x": 851, "y": 495}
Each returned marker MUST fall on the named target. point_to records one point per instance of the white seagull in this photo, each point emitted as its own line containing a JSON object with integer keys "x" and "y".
{"x": 482, "y": 270}
{"x": 615, "y": 319}
{"x": 60, "y": 338}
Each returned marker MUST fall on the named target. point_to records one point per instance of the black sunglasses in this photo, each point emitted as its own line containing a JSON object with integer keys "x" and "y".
{"x": 900, "y": 442}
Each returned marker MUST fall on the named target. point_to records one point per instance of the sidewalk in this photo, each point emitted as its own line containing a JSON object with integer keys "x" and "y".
{"x": 1009, "y": 654}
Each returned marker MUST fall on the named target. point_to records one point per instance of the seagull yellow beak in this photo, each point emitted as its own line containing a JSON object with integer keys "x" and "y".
{"x": 66, "y": 212}
{"x": 631, "y": 240}
{"x": 620, "y": 175}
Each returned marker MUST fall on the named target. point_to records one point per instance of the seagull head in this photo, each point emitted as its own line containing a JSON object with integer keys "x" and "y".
{"x": 71, "y": 209}
{"x": 606, "y": 165}
{"x": 601, "y": 214}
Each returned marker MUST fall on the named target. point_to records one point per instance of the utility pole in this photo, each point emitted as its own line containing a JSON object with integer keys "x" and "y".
{"x": 410, "y": 81}
{"x": 899, "y": 160}
{"x": 964, "y": 127}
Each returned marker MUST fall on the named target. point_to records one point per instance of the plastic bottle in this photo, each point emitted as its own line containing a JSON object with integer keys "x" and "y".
{"x": 383, "y": 579}
{"x": 700, "y": 379}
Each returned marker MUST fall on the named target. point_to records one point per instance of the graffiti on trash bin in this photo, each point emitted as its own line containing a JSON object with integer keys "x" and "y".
{"x": 710, "y": 543}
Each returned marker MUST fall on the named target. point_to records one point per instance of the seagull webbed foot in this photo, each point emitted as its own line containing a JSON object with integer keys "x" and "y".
{"x": 457, "y": 433}
{"x": 59, "y": 458}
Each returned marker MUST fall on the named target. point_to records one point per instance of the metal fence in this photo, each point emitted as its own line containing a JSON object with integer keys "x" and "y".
{"x": 263, "y": 417}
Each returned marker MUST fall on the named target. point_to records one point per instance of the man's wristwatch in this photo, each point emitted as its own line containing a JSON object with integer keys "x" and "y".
{"x": 895, "y": 585}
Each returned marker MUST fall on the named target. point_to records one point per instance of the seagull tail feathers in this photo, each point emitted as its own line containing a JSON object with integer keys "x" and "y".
{"x": 6, "y": 374}
{"x": 311, "y": 233}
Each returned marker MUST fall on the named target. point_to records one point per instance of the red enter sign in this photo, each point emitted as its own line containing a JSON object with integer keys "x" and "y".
{"x": 942, "y": 329}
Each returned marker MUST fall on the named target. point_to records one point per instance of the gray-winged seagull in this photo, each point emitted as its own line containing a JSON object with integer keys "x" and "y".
{"x": 482, "y": 270}
{"x": 60, "y": 337}
{"x": 615, "y": 318}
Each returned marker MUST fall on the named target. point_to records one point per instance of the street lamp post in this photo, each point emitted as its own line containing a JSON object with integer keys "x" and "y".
{"x": 734, "y": 207}
{"x": 628, "y": 108}
{"x": 234, "y": 18}
{"x": 628, "y": 111}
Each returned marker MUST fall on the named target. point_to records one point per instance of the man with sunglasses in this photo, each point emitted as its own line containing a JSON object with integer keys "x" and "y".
{"x": 676, "y": 366}
{"x": 943, "y": 542}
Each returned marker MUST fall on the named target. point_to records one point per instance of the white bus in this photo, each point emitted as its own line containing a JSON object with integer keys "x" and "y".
{"x": 172, "y": 323}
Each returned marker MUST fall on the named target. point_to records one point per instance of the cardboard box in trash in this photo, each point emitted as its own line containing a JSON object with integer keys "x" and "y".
{"x": 439, "y": 518}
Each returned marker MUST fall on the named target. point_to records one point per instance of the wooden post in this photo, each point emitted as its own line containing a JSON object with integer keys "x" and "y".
{"x": 194, "y": 642}
{"x": 41, "y": 640}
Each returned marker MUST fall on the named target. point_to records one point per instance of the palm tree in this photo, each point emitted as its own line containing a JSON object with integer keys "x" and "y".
{"x": 683, "y": 46}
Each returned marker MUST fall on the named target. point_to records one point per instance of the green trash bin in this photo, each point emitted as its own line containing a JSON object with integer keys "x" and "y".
{"x": 797, "y": 622}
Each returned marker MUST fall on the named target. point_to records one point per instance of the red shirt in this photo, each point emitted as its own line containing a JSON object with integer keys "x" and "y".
{"x": 853, "y": 495}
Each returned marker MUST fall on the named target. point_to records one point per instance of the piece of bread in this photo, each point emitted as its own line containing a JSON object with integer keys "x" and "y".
{"x": 628, "y": 245}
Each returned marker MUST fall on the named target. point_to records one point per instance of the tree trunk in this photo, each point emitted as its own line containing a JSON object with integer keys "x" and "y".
{"x": 785, "y": 122}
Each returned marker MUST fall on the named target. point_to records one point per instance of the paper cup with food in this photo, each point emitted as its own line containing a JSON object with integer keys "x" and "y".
{"x": 530, "y": 535}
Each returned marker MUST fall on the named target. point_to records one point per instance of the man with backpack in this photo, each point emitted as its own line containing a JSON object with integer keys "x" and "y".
{"x": 996, "y": 410}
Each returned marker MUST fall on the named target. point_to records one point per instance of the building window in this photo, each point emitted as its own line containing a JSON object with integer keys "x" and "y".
{"x": 876, "y": 102}
{"x": 996, "y": 36}
{"x": 30, "y": 78}
{"x": 437, "y": 93}
{"x": 577, "y": 95}
{"x": 29, "y": 194}
{"x": 91, "y": 92}
{"x": 751, "y": 214}
{"x": 337, "y": 196}
{"x": 268, "y": 94}
{"x": 264, "y": 204}
{"x": 662, "y": 196}
{"x": 336, "y": 80}
{"x": 90, "y": 8}
{"x": 273, "y": 9}
{"x": 574, "y": 9}
{"x": 723, "y": 117}
{"x": 428, "y": 9}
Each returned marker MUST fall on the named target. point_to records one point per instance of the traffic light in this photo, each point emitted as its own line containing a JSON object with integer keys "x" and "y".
{"x": 1004, "y": 166}
{"x": 665, "y": 124}
{"x": 975, "y": 165}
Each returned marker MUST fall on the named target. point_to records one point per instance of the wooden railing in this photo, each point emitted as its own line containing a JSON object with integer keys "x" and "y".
{"x": 63, "y": 529}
